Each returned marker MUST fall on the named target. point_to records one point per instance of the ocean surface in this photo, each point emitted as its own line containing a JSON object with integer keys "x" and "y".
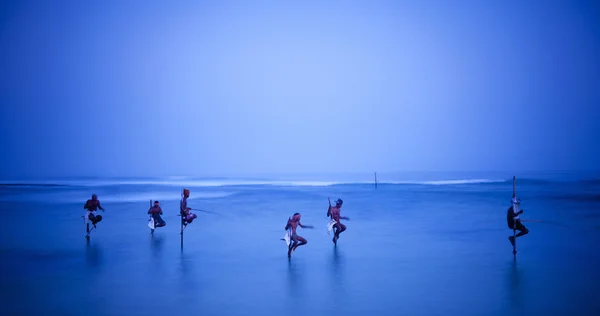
{"x": 417, "y": 244}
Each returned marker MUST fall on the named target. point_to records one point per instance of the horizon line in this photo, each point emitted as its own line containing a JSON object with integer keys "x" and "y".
{"x": 309, "y": 173}
{"x": 314, "y": 176}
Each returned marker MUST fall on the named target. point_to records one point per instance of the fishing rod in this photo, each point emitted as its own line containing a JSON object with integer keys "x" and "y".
{"x": 543, "y": 222}
{"x": 209, "y": 212}
{"x": 195, "y": 209}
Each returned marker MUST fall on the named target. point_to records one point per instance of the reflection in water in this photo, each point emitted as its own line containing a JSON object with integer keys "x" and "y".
{"x": 337, "y": 270}
{"x": 186, "y": 271}
{"x": 294, "y": 280}
{"x": 93, "y": 255}
{"x": 515, "y": 287}
{"x": 156, "y": 245}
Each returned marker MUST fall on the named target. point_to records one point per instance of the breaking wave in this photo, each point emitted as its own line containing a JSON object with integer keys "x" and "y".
{"x": 183, "y": 182}
{"x": 108, "y": 197}
{"x": 166, "y": 196}
{"x": 228, "y": 183}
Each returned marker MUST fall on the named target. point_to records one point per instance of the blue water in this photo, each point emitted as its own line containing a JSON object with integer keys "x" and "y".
{"x": 418, "y": 244}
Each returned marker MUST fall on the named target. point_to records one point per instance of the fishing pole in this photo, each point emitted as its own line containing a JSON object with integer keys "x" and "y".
{"x": 195, "y": 209}
{"x": 209, "y": 212}
{"x": 543, "y": 222}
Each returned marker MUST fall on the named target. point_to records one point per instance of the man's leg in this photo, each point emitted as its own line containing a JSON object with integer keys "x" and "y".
{"x": 336, "y": 229}
{"x": 95, "y": 218}
{"x": 302, "y": 242}
{"x": 159, "y": 222}
{"x": 190, "y": 217}
{"x": 292, "y": 246}
{"x": 512, "y": 240}
{"x": 341, "y": 229}
{"x": 511, "y": 226}
{"x": 522, "y": 229}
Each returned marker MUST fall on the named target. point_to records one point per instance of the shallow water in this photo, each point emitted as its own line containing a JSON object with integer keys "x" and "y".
{"x": 409, "y": 249}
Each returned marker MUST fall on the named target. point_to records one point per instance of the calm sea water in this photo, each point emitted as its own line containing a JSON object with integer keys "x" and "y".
{"x": 418, "y": 245}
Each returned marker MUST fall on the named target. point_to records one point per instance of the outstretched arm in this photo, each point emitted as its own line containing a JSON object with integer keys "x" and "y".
{"x": 100, "y": 206}
{"x": 305, "y": 226}
{"x": 287, "y": 226}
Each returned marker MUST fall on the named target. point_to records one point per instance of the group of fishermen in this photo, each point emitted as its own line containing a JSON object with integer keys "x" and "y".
{"x": 184, "y": 211}
{"x": 155, "y": 211}
{"x": 333, "y": 212}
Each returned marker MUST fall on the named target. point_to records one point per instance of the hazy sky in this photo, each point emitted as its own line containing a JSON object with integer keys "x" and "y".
{"x": 133, "y": 88}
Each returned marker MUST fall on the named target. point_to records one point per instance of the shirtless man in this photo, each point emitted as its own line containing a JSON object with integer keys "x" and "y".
{"x": 334, "y": 212}
{"x": 91, "y": 206}
{"x": 293, "y": 223}
{"x": 186, "y": 212}
{"x": 156, "y": 212}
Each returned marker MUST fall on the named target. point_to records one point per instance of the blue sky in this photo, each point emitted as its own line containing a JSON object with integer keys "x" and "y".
{"x": 152, "y": 89}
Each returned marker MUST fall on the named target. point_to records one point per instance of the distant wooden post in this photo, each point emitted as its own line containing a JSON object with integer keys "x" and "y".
{"x": 375, "y": 180}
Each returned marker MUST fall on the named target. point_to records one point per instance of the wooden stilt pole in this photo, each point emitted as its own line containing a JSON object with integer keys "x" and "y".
{"x": 182, "y": 225}
{"x": 152, "y": 229}
{"x": 515, "y": 209}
